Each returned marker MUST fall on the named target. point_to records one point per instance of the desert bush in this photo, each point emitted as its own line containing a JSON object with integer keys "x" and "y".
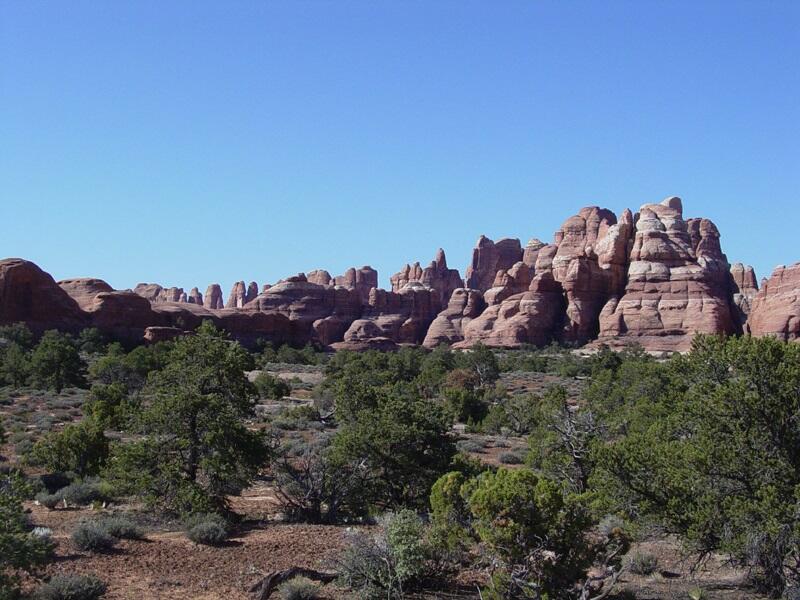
{"x": 120, "y": 527}
{"x": 511, "y": 458}
{"x": 405, "y": 445}
{"x": 313, "y": 487}
{"x": 81, "y": 448}
{"x": 92, "y": 538}
{"x": 71, "y": 587}
{"x": 207, "y": 529}
{"x": 20, "y": 550}
{"x": 299, "y": 588}
{"x": 523, "y": 521}
{"x": 48, "y": 500}
{"x": 271, "y": 387}
{"x": 82, "y": 493}
{"x": 642, "y": 563}
{"x": 391, "y": 561}
{"x": 56, "y": 363}
{"x": 15, "y": 365}
{"x": 473, "y": 446}
{"x": 110, "y": 406}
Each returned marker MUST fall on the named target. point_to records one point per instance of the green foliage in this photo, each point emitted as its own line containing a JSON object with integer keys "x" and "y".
{"x": 529, "y": 526}
{"x": 17, "y": 333}
{"x": 15, "y": 365}
{"x": 198, "y": 448}
{"x": 270, "y": 387}
{"x": 91, "y": 537}
{"x": 483, "y": 362}
{"x": 71, "y": 587}
{"x": 91, "y": 341}
{"x": 20, "y": 550}
{"x": 80, "y": 448}
{"x": 716, "y": 457}
{"x": 313, "y": 488}
{"x": 120, "y": 527}
{"x": 56, "y": 363}
{"x": 82, "y": 493}
{"x": 642, "y": 563}
{"x": 110, "y": 406}
{"x": 403, "y": 442}
{"x": 308, "y": 355}
{"x": 391, "y": 562}
{"x": 132, "y": 369}
{"x": 208, "y": 529}
{"x": 299, "y": 588}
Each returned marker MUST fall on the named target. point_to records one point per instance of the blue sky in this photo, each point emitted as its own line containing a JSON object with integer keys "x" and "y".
{"x": 191, "y": 142}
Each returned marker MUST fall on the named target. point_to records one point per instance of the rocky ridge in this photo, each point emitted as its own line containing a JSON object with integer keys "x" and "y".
{"x": 652, "y": 278}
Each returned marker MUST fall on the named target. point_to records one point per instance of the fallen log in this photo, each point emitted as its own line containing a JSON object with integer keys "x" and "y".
{"x": 264, "y": 588}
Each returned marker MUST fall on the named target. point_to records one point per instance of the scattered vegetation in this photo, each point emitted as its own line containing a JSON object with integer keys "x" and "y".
{"x": 71, "y": 587}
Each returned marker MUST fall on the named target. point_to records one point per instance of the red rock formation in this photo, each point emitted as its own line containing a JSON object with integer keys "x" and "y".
{"x": 678, "y": 283}
{"x": 448, "y": 326}
{"x": 195, "y": 297}
{"x": 316, "y": 313}
{"x": 508, "y": 283}
{"x": 362, "y": 280}
{"x": 252, "y": 292}
{"x": 435, "y": 276}
{"x": 590, "y": 265}
{"x": 123, "y": 315}
{"x": 532, "y": 317}
{"x": 320, "y": 277}
{"x": 488, "y": 258}
{"x": 654, "y": 279}
{"x": 744, "y": 288}
{"x": 531, "y": 252}
{"x": 29, "y": 295}
{"x": 402, "y": 317}
{"x": 775, "y": 309}
{"x": 238, "y": 296}
{"x": 155, "y": 293}
{"x": 83, "y": 290}
{"x": 213, "y": 297}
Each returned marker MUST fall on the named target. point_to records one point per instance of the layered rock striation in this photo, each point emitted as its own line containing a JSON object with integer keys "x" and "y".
{"x": 652, "y": 278}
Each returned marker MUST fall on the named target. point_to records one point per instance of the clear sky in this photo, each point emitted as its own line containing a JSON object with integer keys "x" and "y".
{"x": 191, "y": 142}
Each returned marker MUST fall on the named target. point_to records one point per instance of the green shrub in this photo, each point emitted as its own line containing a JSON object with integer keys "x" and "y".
{"x": 510, "y": 458}
{"x": 390, "y": 562}
{"x": 642, "y": 563}
{"x": 120, "y": 527}
{"x": 93, "y": 538}
{"x": 299, "y": 588}
{"x": 81, "y": 448}
{"x": 82, "y": 493}
{"x": 20, "y": 549}
{"x": 48, "y": 500}
{"x": 56, "y": 363}
{"x": 207, "y": 529}
{"x": 470, "y": 446}
{"x": 71, "y": 587}
{"x": 271, "y": 387}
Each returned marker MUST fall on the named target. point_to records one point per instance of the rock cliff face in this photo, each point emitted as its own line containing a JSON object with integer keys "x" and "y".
{"x": 29, "y": 295}
{"x": 436, "y": 277}
{"x": 488, "y": 258}
{"x": 653, "y": 278}
{"x": 678, "y": 283}
{"x": 776, "y": 307}
{"x": 744, "y": 288}
{"x": 213, "y": 298}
